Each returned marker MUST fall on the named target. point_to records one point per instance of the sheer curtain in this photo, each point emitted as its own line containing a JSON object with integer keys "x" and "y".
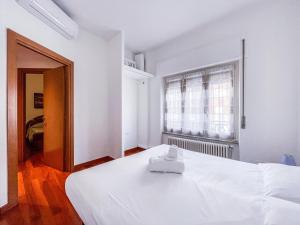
{"x": 201, "y": 103}
{"x": 221, "y": 104}
{"x": 173, "y": 110}
{"x": 193, "y": 116}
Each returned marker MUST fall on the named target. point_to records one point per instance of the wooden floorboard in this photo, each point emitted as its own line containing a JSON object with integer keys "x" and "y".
{"x": 42, "y": 198}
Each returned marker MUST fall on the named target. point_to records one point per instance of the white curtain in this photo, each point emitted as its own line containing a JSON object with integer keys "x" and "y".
{"x": 201, "y": 103}
{"x": 173, "y": 115}
{"x": 220, "y": 105}
{"x": 193, "y": 117}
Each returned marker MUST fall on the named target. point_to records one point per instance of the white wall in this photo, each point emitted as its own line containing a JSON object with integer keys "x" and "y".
{"x": 89, "y": 54}
{"x": 271, "y": 76}
{"x": 34, "y": 84}
{"x": 115, "y": 85}
{"x": 128, "y": 54}
{"x": 296, "y": 24}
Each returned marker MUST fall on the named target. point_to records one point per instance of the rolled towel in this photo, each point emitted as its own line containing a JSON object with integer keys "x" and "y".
{"x": 159, "y": 164}
{"x": 172, "y": 153}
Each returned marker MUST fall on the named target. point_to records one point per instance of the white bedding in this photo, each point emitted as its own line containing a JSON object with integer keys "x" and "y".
{"x": 281, "y": 181}
{"x": 281, "y": 212}
{"x": 211, "y": 191}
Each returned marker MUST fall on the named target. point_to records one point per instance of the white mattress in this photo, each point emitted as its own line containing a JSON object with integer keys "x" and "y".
{"x": 212, "y": 191}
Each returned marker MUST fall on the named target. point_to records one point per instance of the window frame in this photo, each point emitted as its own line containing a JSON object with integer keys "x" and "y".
{"x": 236, "y": 83}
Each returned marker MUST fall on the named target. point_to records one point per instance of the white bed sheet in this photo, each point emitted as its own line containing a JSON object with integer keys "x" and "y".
{"x": 211, "y": 191}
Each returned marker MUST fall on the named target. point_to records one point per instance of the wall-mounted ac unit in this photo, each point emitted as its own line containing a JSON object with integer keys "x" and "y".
{"x": 52, "y": 15}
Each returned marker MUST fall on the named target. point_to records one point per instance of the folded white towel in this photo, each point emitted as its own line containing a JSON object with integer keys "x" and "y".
{"x": 159, "y": 164}
{"x": 173, "y": 153}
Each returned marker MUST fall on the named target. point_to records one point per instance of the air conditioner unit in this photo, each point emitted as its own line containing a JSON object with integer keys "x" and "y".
{"x": 52, "y": 15}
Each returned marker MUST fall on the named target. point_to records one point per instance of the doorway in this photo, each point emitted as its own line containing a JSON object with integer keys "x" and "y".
{"x": 30, "y": 102}
{"x": 41, "y": 108}
{"x": 58, "y": 145}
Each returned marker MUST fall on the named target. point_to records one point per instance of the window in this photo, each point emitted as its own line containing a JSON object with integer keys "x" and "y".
{"x": 202, "y": 103}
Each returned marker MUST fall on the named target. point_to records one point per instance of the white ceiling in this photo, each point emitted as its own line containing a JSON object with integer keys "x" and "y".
{"x": 147, "y": 23}
{"x": 27, "y": 58}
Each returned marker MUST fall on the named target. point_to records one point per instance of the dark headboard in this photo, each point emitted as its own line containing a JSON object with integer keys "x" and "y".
{"x": 35, "y": 120}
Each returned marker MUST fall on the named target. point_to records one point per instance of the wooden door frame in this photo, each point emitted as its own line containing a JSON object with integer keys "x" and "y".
{"x": 13, "y": 40}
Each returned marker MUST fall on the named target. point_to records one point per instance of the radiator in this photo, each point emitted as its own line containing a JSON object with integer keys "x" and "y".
{"x": 210, "y": 148}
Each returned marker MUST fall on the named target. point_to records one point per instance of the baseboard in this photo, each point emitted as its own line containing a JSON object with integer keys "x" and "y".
{"x": 7, "y": 207}
{"x": 133, "y": 151}
{"x": 92, "y": 163}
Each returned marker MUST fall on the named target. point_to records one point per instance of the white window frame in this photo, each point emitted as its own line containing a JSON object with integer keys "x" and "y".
{"x": 236, "y": 81}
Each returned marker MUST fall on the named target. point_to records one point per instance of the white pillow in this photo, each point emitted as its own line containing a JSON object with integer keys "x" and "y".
{"x": 281, "y": 181}
{"x": 281, "y": 212}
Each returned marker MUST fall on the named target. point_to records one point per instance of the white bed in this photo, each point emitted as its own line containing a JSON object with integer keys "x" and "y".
{"x": 212, "y": 191}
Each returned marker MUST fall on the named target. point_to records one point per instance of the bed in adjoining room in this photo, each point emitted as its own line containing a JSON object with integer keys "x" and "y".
{"x": 211, "y": 191}
{"x": 35, "y": 132}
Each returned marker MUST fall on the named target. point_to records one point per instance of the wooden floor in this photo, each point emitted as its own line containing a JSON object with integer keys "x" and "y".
{"x": 42, "y": 198}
